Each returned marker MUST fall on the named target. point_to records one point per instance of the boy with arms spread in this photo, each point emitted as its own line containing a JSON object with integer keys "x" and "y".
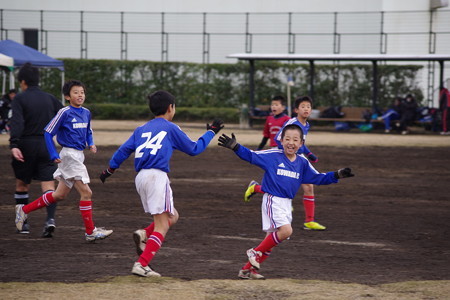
{"x": 72, "y": 126}
{"x": 274, "y": 122}
{"x": 303, "y": 108}
{"x": 285, "y": 172}
{"x": 153, "y": 144}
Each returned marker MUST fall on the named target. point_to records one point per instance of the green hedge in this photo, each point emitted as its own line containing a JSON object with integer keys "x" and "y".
{"x": 226, "y": 85}
{"x": 110, "y": 111}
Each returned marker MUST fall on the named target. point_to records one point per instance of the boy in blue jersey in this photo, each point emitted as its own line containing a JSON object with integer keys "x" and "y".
{"x": 303, "y": 107}
{"x": 285, "y": 172}
{"x": 72, "y": 126}
{"x": 153, "y": 144}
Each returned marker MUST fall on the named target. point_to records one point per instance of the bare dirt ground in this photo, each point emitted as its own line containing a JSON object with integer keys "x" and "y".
{"x": 388, "y": 224}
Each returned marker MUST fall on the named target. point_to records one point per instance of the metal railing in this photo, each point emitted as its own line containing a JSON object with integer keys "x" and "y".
{"x": 209, "y": 37}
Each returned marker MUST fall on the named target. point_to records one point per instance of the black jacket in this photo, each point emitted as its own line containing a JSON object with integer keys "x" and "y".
{"x": 32, "y": 110}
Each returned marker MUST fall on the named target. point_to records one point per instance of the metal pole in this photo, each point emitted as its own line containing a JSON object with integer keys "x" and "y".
{"x": 374, "y": 84}
{"x": 312, "y": 72}
{"x": 441, "y": 75}
{"x": 252, "y": 88}
{"x": 62, "y": 84}
{"x": 289, "y": 99}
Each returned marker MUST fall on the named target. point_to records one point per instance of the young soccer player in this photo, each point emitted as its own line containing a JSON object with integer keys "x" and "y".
{"x": 72, "y": 126}
{"x": 285, "y": 171}
{"x": 153, "y": 144}
{"x": 274, "y": 122}
{"x": 303, "y": 108}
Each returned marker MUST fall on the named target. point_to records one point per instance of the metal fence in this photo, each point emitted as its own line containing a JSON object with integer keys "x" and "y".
{"x": 210, "y": 37}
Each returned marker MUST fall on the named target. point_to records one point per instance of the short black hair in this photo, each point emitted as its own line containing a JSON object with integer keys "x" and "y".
{"x": 70, "y": 84}
{"x": 292, "y": 127}
{"x": 279, "y": 98}
{"x": 303, "y": 99}
{"x": 159, "y": 102}
{"x": 29, "y": 74}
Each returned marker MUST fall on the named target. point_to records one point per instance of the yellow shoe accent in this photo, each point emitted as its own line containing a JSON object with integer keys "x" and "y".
{"x": 313, "y": 226}
{"x": 250, "y": 190}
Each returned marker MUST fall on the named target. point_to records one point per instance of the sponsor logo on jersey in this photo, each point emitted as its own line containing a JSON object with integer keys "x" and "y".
{"x": 80, "y": 125}
{"x": 74, "y": 120}
{"x": 288, "y": 173}
{"x": 281, "y": 165}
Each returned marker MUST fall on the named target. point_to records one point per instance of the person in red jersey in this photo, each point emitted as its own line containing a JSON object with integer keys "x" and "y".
{"x": 274, "y": 122}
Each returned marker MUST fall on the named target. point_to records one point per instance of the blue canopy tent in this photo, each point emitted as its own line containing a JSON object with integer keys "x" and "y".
{"x": 23, "y": 54}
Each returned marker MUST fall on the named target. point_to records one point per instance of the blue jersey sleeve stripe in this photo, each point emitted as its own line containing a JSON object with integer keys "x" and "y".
{"x": 55, "y": 120}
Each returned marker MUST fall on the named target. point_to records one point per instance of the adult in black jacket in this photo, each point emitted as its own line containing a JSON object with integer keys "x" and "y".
{"x": 408, "y": 111}
{"x": 32, "y": 110}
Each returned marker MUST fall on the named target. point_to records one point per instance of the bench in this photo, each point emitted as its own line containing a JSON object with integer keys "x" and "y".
{"x": 351, "y": 114}
{"x": 253, "y": 114}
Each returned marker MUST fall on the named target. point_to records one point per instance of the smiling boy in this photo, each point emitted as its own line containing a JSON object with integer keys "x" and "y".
{"x": 284, "y": 172}
{"x": 72, "y": 126}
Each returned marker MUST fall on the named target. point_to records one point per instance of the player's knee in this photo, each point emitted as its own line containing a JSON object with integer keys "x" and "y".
{"x": 174, "y": 218}
{"x": 86, "y": 194}
{"x": 308, "y": 189}
{"x": 284, "y": 232}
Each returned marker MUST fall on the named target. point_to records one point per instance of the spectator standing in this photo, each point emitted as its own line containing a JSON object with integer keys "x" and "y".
{"x": 32, "y": 109}
{"x": 444, "y": 106}
{"x": 5, "y": 110}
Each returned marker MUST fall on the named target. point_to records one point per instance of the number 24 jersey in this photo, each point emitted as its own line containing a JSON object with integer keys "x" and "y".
{"x": 153, "y": 144}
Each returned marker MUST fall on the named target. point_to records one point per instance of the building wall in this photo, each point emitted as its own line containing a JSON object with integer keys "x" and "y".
{"x": 178, "y": 30}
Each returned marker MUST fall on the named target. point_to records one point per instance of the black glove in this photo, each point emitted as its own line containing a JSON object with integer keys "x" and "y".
{"x": 343, "y": 173}
{"x": 312, "y": 158}
{"x": 106, "y": 173}
{"x": 228, "y": 142}
{"x": 216, "y": 126}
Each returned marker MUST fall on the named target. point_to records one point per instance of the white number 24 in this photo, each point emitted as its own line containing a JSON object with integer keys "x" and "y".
{"x": 153, "y": 143}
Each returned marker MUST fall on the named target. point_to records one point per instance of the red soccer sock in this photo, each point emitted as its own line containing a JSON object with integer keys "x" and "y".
{"x": 44, "y": 200}
{"x": 261, "y": 259}
{"x": 149, "y": 230}
{"x": 258, "y": 189}
{"x": 154, "y": 243}
{"x": 309, "y": 204}
{"x": 268, "y": 243}
{"x": 86, "y": 214}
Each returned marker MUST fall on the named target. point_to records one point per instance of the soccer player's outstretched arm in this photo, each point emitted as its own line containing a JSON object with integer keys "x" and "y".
{"x": 183, "y": 143}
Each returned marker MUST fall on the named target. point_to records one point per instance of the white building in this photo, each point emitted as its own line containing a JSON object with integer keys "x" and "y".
{"x": 208, "y": 30}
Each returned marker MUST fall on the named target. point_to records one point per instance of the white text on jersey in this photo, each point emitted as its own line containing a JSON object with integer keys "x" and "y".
{"x": 288, "y": 173}
{"x": 80, "y": 125}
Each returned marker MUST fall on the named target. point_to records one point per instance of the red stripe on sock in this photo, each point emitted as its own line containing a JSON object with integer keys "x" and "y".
{"x": 44, "y": 200}
{"x": 154, "y": 243}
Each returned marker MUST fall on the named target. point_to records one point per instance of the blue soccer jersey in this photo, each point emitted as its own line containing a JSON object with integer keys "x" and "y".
{"x": 282, "y": 177}
{"x": 305, "y": 129}
{"x": 154, "y": 142}
{"x": 72, "y": 127}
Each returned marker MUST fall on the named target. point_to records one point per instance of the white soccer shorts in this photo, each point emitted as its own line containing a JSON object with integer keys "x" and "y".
{"x": 275, "y": 212}
{"x": 153, "y": 186}
{"x": 71, "y": 167}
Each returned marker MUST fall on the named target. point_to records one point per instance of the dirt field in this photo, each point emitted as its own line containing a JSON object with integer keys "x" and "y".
{"x": 388, "y": 224}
